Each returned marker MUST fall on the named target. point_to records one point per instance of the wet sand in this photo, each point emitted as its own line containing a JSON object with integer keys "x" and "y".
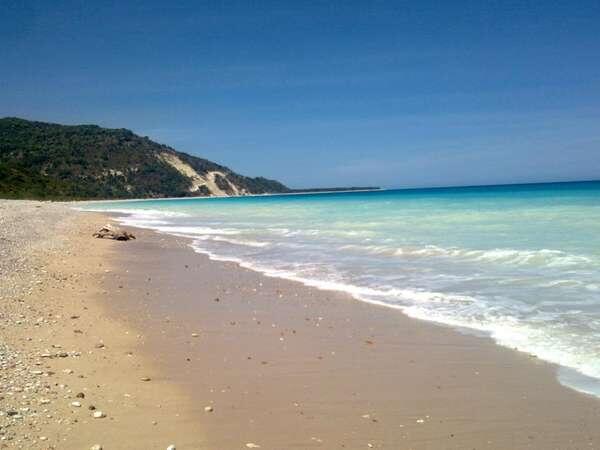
{"x": 235, "y": 359}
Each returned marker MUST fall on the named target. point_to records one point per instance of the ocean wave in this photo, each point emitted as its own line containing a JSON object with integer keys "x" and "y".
{"x": 198, "y": 231}
{"x": 137, "y": 213}
{"x": 561, "y": 283}
{"x": 242, "y": 242}
{"x": 517, "y": 335}
{"x": 543, "y": 257}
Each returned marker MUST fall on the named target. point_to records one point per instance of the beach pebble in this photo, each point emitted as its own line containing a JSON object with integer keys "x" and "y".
{"x": 208, "y": 409}
{"x": 96, "y": 447}
{"x": 171, "y": 447}
{"x": 76, "y": 404}
{"x": 195, "y": 335}
{"x": 145, "y": 378}
{"x": 98, "y": 415}
{"x": 252, "y": 445}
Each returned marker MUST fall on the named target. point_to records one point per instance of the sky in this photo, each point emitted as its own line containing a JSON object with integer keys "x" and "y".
{"x": 323, "y": 93}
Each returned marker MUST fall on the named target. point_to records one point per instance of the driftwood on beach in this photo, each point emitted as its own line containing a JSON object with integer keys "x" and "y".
{"x": 111, "y": 232}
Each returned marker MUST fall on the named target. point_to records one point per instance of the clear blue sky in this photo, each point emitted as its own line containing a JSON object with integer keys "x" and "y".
{"x": 322, "y": 93}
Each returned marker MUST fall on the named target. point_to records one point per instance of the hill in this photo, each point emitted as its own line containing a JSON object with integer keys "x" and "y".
{"x": 50, "y": 161}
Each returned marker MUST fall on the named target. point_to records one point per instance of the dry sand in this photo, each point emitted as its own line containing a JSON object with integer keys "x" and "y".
{"x": 59, "y": 344}
{"x": 276, "y": 364}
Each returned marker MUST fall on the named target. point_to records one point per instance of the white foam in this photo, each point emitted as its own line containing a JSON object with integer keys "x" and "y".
{"x": 242, "y": 242}
{"x": 137, "y": 213}
{"x": 198, "y": 231}
{"x": 543, "y": 257}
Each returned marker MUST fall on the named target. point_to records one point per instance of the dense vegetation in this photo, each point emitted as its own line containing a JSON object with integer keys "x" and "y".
{"x": 50, "y": 161}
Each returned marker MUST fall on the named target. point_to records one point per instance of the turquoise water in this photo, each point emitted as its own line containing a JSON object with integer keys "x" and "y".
{"x": 520, "y": 263}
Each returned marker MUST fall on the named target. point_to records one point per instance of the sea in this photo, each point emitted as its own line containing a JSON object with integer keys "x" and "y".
{"x": 517, "y": 263}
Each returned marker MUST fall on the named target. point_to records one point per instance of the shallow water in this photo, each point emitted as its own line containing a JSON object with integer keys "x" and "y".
{"x": 521, "y": 263}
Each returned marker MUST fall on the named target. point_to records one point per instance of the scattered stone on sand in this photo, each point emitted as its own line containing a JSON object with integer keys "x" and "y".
{"x": 252, "y": 445}
{"x": 171, "y": 447}
{"x": 111, "y": 232}
{"x": 145, "y": 378}
{"x": 195, "y": 335}
{"x": 208, "y": 409}
{"x": 37, "y": 264}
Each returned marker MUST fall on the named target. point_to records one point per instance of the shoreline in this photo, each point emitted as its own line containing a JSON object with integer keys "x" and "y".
{"x": 344, "y": 361}
{"x": 236, "y": 358}
{"x": 568, "y": 376}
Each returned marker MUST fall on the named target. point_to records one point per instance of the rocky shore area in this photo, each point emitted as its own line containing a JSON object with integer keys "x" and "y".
{"x": 70, "y": 376}
{"x": 30, "y": 233}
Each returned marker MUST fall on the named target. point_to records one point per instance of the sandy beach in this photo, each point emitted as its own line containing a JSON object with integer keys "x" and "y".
{"x": 170, "y": 348}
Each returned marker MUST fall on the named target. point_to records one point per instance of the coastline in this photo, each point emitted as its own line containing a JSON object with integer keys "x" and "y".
{"x": 282, "y": 365}
{"x": 289, "y": 366}
{"x": 406, "y": 189}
